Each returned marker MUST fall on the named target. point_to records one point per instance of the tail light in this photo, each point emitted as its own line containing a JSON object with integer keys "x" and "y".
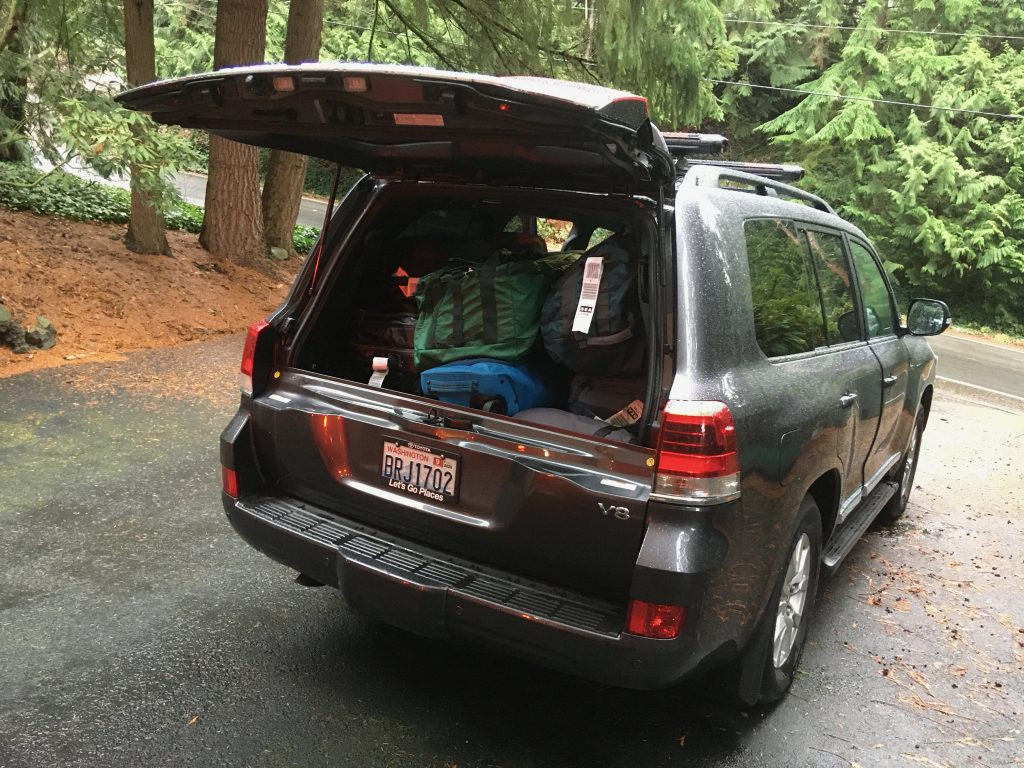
{"x": 252, "y": 336}
{"x": 697, "y": 460}
{"x": 229, "y": 481}
{"x": 662, "y": 622}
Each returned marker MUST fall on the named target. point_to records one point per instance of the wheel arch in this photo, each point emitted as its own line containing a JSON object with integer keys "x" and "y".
{"x": 926, "y": 402}
{"x": 825, "y": 492}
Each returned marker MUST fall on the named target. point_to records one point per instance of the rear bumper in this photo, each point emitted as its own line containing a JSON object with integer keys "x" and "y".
{"x": 436, "y": 594}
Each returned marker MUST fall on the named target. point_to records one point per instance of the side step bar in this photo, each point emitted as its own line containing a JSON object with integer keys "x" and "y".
{"x": 846, "y": 538}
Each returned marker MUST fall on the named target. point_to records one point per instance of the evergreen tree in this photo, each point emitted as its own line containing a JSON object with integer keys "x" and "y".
{"x": 938, "y": 189}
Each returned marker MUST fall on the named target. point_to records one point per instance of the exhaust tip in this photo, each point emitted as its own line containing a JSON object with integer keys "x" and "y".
{"x": 307, "y": 581}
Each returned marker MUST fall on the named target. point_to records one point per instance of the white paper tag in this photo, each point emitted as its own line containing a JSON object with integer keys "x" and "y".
{"x": 592, "y": 271}
{"x": 628, "y": 416}
{"x": 380, "y": 372}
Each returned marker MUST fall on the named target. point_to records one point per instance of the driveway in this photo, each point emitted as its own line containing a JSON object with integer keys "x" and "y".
{"x": 136, "y": 629}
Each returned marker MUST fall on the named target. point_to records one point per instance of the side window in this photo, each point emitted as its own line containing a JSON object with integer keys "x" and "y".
{"x": 879, "y": 318}
{"x": 599, "y": 235}
{"x": 554, "y": 232}
{"x": 787, "y": 311}
{"x": 833, "y": 273}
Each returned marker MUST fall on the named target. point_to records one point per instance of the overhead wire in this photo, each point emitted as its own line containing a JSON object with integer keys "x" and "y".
{"x": 884, "y": 30}
{"x": 847, "y": 97}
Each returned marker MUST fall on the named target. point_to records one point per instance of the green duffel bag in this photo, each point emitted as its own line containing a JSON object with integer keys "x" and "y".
{"x": 491, "y": 309}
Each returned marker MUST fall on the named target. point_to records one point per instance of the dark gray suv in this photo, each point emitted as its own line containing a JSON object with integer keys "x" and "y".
{"x": 776, "y": 399}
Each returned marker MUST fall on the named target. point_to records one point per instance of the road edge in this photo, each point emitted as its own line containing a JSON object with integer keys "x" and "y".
{"x": 979, "y": 394}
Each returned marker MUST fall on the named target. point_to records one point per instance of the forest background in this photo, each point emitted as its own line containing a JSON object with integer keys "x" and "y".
{"x": 907, "y": 114}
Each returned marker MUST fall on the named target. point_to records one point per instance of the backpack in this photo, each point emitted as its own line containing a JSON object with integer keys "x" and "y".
{"x": 590, "y": 321}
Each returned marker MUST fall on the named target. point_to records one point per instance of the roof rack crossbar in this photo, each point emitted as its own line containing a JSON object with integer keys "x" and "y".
{"x": 776, "y": 171}
{"x": 686, "y": 144}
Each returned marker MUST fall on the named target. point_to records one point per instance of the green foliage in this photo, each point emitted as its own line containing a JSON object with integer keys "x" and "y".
{"x": 71, "y": 58}
{"x": 661, "y": 48}
{"x": 183, "y": 36}
{"x": 305, "y": 238}
{"x": 665, "y": 50}
{"x": 23, "y": 188}
{"x": 940, "y": 192}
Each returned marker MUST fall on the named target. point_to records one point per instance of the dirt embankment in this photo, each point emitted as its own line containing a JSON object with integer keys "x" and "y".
{"x": 105, "y": 300}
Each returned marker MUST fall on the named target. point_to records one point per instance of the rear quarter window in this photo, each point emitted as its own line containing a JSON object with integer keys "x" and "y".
{"x": 787, "y": 309}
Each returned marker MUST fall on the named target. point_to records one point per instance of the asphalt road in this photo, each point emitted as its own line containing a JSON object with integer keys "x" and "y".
{"x": 192, "y": 187}
{"x": 136, "y": 629}
{"x": 982, "y": 364}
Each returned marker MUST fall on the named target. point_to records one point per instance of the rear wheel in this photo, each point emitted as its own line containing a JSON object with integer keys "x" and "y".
{"x": 770, "y": 662}
{"x": 897, "y": 505}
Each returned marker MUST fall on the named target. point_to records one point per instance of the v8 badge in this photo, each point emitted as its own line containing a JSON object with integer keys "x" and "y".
{"x": 619, "y": 513}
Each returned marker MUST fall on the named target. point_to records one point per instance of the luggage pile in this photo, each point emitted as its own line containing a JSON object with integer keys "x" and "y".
{"x": 520, "y": 332}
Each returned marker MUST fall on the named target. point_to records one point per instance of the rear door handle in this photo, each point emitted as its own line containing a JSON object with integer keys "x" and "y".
{"x": 848, "y": 399}
{"x": 888, "y": 381}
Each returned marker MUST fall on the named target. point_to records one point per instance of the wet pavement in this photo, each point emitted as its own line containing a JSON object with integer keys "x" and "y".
{"x": 136, "y": 629}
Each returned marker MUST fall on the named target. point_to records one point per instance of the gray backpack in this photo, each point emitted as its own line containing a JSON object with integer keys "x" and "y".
{"x": 590, "y": 321}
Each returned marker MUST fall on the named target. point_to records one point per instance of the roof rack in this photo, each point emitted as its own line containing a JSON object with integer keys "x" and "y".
{"x": 685, "y": 144}
{"x": 778, "y": 172}
{"x": 711, "y": 174}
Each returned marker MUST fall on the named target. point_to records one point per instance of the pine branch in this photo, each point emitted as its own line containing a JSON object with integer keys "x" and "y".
{"x": 373, "y": 30}
{"x": 419, "y": 33}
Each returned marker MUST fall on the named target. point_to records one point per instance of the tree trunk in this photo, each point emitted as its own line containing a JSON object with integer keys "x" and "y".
{"x": 232, "y": 223}
{"x": 14, "y": 92}
{"x": 146, "y": 223}
{"x": 15, "y": 18}
{"x": 590, "y": 33}
{"x": 286, "y": 174}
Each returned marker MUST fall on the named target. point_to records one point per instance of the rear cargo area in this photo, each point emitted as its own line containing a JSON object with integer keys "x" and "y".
{"x": 411, "y": 293}
{"x": 474, "y": 377}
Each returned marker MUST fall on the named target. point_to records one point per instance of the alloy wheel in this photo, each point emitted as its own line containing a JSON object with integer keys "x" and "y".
{"x": 792, "y": 601}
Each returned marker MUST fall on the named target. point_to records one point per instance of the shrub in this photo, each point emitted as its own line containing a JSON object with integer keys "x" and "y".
{"x": 24, "y": 188}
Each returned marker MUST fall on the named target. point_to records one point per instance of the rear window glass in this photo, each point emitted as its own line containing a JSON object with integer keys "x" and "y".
{"x": 787, "y": 309}
{"x": 441, "y": 221}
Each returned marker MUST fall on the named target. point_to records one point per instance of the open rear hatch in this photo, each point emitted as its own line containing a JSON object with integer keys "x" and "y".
{"x": 425, "y": 123}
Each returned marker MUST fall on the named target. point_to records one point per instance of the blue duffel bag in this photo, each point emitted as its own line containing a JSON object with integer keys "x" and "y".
{"x": 491, "y": 385}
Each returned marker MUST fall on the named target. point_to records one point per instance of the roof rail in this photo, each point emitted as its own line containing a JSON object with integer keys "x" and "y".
{"x": 712, "y": 175}
{"x": 686, "y": 144}
{"x": 779, "y": 172}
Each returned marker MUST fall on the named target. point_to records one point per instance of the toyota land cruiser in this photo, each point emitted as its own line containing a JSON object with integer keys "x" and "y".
{"x": 780, "y": 396}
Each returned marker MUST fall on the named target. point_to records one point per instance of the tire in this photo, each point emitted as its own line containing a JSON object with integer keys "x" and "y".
{"x": 897, "y": 505}
{"x": 764, "y": 672}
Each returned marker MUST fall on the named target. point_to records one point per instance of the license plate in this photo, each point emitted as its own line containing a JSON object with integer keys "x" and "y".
{"x": 420, "y": 471}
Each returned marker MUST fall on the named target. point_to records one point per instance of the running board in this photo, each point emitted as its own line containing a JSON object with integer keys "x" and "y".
{"x": 846, "y": 538}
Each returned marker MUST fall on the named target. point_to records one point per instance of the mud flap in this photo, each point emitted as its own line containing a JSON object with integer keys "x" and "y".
{"x": 751, "y": 669}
